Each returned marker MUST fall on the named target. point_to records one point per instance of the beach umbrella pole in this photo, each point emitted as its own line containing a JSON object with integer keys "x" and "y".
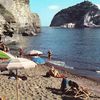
{"x": 17, "y": 83}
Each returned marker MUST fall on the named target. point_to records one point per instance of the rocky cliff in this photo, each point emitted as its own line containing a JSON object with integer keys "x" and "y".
{"x": 16, "y": 15}
{"x": 84, "y": 14}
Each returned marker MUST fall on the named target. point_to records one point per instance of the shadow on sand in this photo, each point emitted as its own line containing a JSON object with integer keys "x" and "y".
{"x": 64, "y": 96}
{"x": 54, "y": 90}
{"x": 69, "y": 95}
{"x": 9, "y": 76}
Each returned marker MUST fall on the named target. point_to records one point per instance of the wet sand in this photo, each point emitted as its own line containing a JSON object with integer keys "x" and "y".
{"x": 35, "y": 86}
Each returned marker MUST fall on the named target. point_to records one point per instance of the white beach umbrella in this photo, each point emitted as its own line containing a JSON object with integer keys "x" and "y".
{"x": 16, "y": 63}
{"x": 20, "y": 63}
{"x": 34, "y": 52}
{"x": 13, "y": 63}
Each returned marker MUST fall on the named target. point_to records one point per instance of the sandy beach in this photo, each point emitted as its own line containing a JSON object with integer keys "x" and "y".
{"x": 35, "y": 86}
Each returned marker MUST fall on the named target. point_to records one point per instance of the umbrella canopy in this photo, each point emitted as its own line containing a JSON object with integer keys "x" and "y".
{"x": 4, "y": 55}
{"x": 17, "y": 63}
{"x": 34, "y": 52}
{"x": 20, "y": 63}
{"x": 38, "y": 60}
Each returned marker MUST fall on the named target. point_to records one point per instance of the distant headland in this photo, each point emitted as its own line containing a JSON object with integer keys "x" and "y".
{"x": 84, "y": 14}
{"x": 15, "y": 16}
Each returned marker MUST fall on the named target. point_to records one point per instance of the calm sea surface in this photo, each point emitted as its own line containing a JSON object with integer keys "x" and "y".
{"x": 79, "y": 48}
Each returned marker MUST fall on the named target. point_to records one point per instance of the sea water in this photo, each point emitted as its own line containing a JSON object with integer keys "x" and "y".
{"x": 78, "y": 48}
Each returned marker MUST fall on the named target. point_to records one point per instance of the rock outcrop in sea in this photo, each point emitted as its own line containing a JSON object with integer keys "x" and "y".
{"x": 85, "y": 14}
{"x": 16, "y": 17}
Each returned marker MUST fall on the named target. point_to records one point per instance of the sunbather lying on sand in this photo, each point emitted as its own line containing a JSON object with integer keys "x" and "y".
{"x": 54, "y": 72}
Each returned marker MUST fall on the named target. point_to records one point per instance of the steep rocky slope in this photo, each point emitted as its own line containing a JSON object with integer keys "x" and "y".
{"x": 84, "y": 14}
{"x": 16, "y": 15}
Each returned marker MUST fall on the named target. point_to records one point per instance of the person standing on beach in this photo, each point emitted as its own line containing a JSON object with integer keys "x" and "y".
{"x": 49, "y": 54}
{"x": 3, "y": 47}
{"x": 20, "y": 52}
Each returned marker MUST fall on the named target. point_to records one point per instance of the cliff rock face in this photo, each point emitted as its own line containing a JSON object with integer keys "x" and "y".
{"x": 36, "y": 21}
{"x": 16, "y": 15}
{"x": 84, "y": 14}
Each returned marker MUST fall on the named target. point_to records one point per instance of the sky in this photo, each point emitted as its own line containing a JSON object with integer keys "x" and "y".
{"x": 46, "y": 9}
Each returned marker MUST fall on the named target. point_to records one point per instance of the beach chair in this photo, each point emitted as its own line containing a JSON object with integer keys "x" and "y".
{"x": 78, "y": 91}
{"x": 83, "y": 92}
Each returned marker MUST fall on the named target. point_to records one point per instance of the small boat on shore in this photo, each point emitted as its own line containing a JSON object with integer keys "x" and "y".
{"x": 57, "y": 63}
{"x": 60, "y": 64}
{"x": 98, "y": 71}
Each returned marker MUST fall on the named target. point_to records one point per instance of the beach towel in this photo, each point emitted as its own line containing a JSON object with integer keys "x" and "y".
{"x": 59, "y": 76}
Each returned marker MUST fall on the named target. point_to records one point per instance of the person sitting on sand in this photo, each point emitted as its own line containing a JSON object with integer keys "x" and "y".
{"x": 73, "y": 85}
{"x": 54, "y": 72}
{"x": 64, "y": 84}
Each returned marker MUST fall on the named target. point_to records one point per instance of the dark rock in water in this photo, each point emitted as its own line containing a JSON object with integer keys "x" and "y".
{"x": 84, "y": 14}
{"x": 27, "y": 32}
{"x": 9, "y": 40}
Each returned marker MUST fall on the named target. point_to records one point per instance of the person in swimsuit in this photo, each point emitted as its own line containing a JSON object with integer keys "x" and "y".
{"x": 49, "y": 54}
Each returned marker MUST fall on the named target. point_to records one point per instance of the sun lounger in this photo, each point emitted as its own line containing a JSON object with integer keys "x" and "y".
{"x": 79, "y": 91}
{"x": 83, "y": 92}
